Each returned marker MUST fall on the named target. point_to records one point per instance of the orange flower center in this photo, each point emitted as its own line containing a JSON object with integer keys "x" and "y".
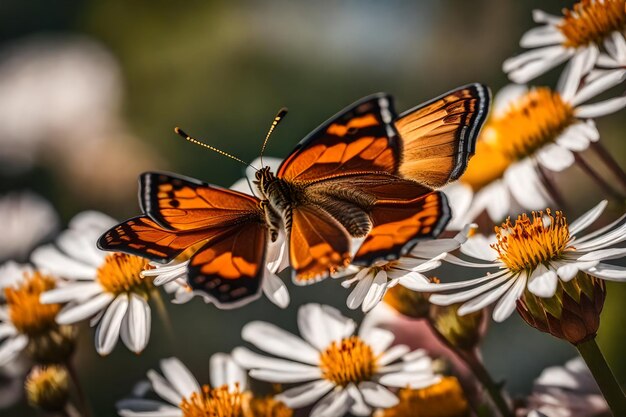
{"x": 532, "y": 241}
{"x": 121, "y": 272}
{"x": 349, "y": 361}
{"x": 213, "y": 402}
{"x": 265, "y": 407}
{"x": 27, "y": 314}
{"x": 533, "y": 121}
{"x": 591, "y": 21}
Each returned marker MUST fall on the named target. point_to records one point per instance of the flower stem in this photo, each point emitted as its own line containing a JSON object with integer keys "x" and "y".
{"x": 548, "y": 182}
{"x": 82, "y": 399}
{"x": 603, "y": 375}
{"x": 493, "y": 389}
{"x": 480, "y": 372}
{"x": 610, "y": 162}
{"x": 596, "y": 177}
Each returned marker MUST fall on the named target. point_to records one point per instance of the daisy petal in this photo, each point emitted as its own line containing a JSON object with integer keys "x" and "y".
{"x": 179, "y": 377}
{"x": 73, "y": 313}
{"x": 136, "y": 324}
{"x": 109, "y": 327}
{"x": 250, "y": 360}
{"x": 360, "y": 291}
{"x": 335, "y": 404}
{"x": 588, "y": 218}
{"x": 139, "y": 407}
{"x": 306, "y": 394}
{"x": 320, "y": 325}
{"x": 74, "y": 291}
{"x": 543, "y": 282}
{"x": 163, "y": 388}
{"x": 279, "y": 342}
{"x": 376, "y": 291}
{"x": 377, "y": 396}
{"x": 507, "y": 304}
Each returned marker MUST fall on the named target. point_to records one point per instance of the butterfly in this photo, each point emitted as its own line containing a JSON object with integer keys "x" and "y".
{"x": 365, "y": 173}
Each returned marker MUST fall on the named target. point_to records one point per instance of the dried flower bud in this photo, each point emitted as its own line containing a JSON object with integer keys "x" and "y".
{"x": 462, "y": 332}
{"x": 56, "y": 345}
{"x": 572, "y": 314}
{"x": 47, "y": 387}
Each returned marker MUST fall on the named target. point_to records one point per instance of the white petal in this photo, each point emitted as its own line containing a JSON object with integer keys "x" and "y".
{"x": 139, "y": 407}
{"x": 50, "y": 259}
{"x": 568, "y": 270}
{"x": 320, "y": 325}
{"x": 242, "y": 185}
{"x": 92, "y": 220}
{"x": 73, "y": 313}
{"x": 608, "y": 272}
{"x": 537, "y": 67}
{"x": 378, "y": 339}
{"x": 601, "y": 108}
{"x": 574, "y": 138}
{"x": 179, "y": 377}
{"x": 598, "y": 86}
{"x": 573, "y": 73}
{"x": 448, "y": 299}
{"x": 305, "y": 394}
{"x": 11, "y": 347}
{"x": 410, "y": 379}
{"x": 479, "y": 246}
{"x": 81, "y": 244}
{"x": 163, "y": 388}
{"x": 446, "y": 286}
{"x": 282, "y": 377}
{"x": 277, "y": 341}
{"x": 136, "y": 324}
{"x": 543, "y": 282}
{"x": 225, "y": 371}
{"x": 525, "y": 186}
{"x": 275, "y": 290}
{"x": 603, "y": 255}
{"x": 109, "y": 327}
{"x": 587, "y": 219}
{"x": 457, "y": 261}
{"x": 459, "y": 198}
{"x": 335, "y": 404}
{"x": 507, "y": 304}
{"x": 506, "y": 96}
{"x": 358, "y": 294}
{"x": 376, "y": 291}
{"x": 413, "y": 281}
{"x": 250, "y": 360}
{"x": 392, "y": 354}
{"x": 541, "y": 36}
{"x": 555, "y": 157}
{"x": 539, "y": 16}
{"x": 377, "y": 396}
{"x": 486, "y": 298}
{"x": 359, "y": 407}
{"x": 74, "y": 291}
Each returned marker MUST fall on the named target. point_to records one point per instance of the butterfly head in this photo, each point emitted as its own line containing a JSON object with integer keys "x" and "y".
{"x": 263, "y": 178}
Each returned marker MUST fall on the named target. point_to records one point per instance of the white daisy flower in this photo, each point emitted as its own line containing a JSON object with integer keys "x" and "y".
{"x": 373, "y": 281}
{"x": 577, "y": 35}
{"x": 340, "y": 371}
{"x": 529, "y": 130}
{"x": 25, "y": 219}
{"x": 173, "y": 276}
{"x": 228, "y": 394}
{"x": 567, "y": 391}
{"x": 533, "y": 254}
{"x": 25, "y": 321}
{"x": 107, "y": 287}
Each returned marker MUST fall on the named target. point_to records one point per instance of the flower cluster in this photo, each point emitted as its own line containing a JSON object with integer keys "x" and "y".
{"x": 416, "y": 351}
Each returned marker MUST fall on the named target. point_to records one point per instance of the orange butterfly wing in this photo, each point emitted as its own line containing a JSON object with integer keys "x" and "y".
{"x": 318, "y": 244}
{"x": 229, "y": 268}
{"x": 141, "y": 236}
{"x": 399, "y": 225}
{"x": 179, "y": 203}
{"x": 438, "y": 137}
{"x": 358, "y": 139}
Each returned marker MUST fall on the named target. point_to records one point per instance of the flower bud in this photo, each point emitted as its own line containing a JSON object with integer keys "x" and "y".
{"x": 47, "y": 388}
{"x": 407, "y": 302}
{"x": 55, "y": 345}
{"x": 572, "y": 314}
{"x": 462, "y": 332}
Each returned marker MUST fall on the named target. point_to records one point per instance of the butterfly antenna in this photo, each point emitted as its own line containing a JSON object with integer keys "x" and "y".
{"x": 181, "y": 133}
{"x": 279, "y": 116}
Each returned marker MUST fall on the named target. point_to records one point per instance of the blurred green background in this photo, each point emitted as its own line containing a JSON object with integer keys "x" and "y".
{"x": 221, "y": 70}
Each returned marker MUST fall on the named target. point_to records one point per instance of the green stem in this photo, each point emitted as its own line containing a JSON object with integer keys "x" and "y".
{"x": 481, "y": 374}
{"x": 603, "y": 375}
{"x": 493, "y": 389}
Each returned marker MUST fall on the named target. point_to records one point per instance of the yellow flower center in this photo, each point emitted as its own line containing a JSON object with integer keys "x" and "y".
{"x": 444, "y": 399}
{"x": 121, "y": 272}
{"x": 349, "y": 361}
{"x": 213, "y": 402}
{"x": 47, "y": 387}
{"x": 591, "y": 21}
{"x": 531, "y": 122}
{"x": 26, "y": 313}
{"x": 532, "y": 241}
{"x": 265, "y": 407}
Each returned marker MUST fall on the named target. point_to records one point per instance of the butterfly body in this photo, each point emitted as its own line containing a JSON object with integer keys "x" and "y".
{"x": 365, "y": 173}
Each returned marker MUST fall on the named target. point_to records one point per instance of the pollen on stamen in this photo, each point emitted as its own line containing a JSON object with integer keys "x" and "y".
{"x": 531, "y": 241}
{"x": 214, "y": 402}
{"x": 121, "y": 272}
{"x": 349, "y": 361}
{"x": 592, "y": 21}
